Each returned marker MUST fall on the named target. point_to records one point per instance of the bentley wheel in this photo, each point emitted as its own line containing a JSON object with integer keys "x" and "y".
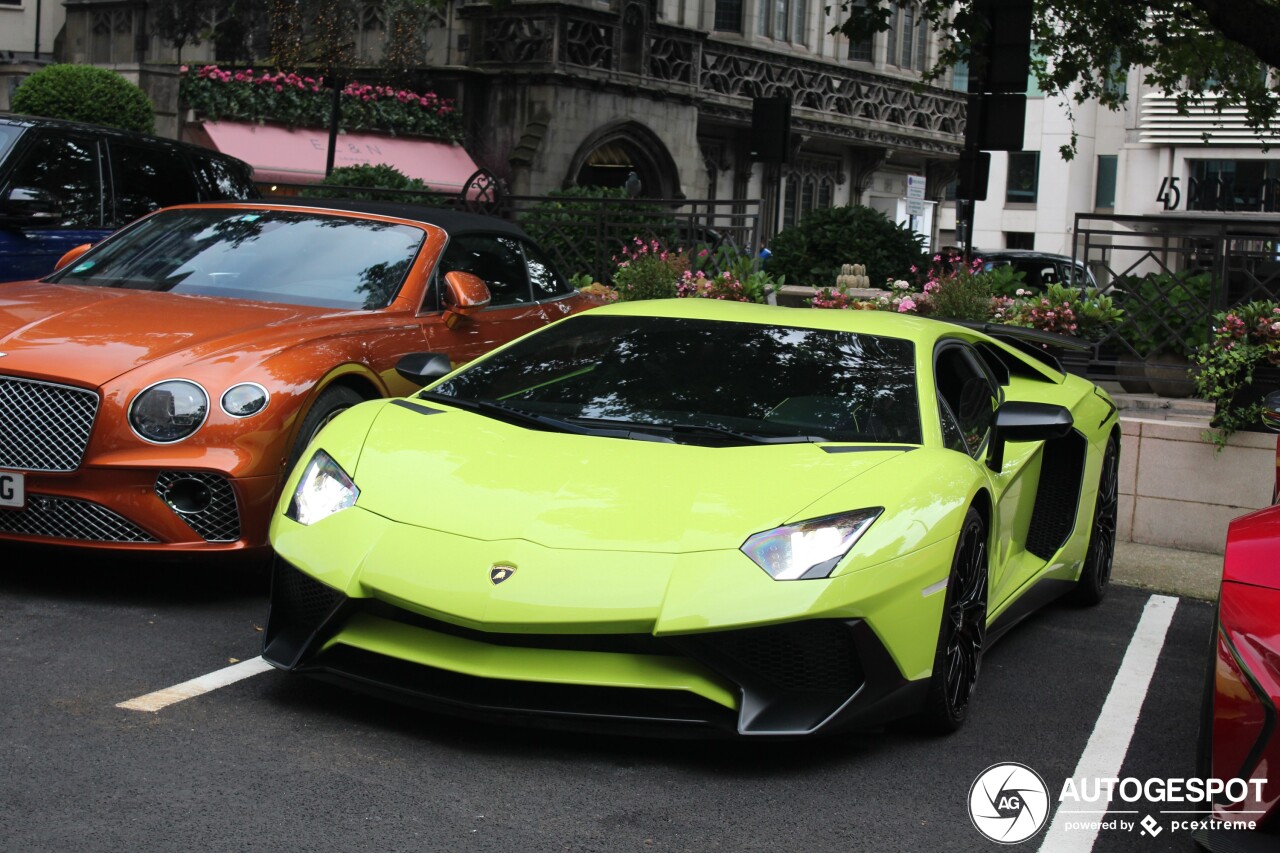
{"x": 963, "y": 632}
{"x": 332, "y": 402}
{"x": 1096, "y": 574}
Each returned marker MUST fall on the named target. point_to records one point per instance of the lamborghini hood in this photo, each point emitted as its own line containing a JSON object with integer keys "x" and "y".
{"x": 472, "y": 476}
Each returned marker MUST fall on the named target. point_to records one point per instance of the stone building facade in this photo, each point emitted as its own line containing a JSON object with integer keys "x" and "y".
{"x": 588, "y": 91}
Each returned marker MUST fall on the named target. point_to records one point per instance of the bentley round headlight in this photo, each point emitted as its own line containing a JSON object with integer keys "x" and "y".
{"x": 245, "y": 399}
{"x": 169, "y": 411}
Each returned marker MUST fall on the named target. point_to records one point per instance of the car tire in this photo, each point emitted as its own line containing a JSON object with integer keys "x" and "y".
{"x": 1204, "y": 738}
{"x": 332, "y": 402}
{"x": 962, "y": 634}
{"x": 1096, "y": 574}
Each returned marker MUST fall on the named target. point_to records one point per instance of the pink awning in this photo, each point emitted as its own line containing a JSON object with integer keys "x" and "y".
{"x": 285, "y": 155}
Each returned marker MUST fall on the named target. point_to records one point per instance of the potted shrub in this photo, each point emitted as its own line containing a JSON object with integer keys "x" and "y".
{"x": 1237, "y": 366}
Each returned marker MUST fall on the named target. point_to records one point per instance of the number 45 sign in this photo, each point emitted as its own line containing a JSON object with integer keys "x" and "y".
{"x": 1170, "y": 196}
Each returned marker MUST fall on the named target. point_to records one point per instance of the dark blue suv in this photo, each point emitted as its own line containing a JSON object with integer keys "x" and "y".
{"x": 64, "y": 183}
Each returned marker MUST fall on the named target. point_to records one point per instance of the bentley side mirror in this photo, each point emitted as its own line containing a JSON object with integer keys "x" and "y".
{"x": 30, "y": 206}
{"x": 464, "y": 294}
{"x": 1018, "y": 421}
{"x": 1271, "y": 411}
{"x": 421, "y": 368}
{"x": 72, "y": 255}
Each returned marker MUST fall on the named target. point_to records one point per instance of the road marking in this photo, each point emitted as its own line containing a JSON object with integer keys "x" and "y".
{"x": 1105, "y": 752}
{"x": 197, "y": 686}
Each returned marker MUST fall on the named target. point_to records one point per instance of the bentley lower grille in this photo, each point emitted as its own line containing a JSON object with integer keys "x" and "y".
{"x": 44, "y": 426}
{"x": 70, "y": 518}
{"x": 206, "y": 502}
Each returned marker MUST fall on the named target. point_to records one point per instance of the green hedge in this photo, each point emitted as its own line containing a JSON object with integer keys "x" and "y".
{"x": 85, "y": 93}
{"x": 812, "y": 252}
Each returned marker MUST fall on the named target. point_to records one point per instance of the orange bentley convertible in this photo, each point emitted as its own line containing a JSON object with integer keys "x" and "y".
{"x": 155, "y": 389}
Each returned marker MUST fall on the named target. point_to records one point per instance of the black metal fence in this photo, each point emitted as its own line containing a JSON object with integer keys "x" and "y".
{"x": 584, "y": 234}
{"x": 1171, "y": 274}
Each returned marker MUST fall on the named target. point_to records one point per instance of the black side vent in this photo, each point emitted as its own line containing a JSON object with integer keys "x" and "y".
{"x": 300, "y": 607}
{"x": 1058, "y": 498}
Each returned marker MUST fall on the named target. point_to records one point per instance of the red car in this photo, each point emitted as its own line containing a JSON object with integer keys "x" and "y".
{"x": 1239, "y": 739}
{"x": 156, "y": 389}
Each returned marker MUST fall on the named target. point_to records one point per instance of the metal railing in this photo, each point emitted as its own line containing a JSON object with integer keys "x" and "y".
{"x": 1171, "y": 274}
{"x": 583, "y": 234}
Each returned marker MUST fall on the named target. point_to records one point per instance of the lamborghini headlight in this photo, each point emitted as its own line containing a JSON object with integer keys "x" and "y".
{"x": 809, "y": 549}
{"x": 323, "y": 490}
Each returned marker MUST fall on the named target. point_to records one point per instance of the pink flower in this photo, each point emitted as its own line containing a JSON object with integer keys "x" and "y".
{"x": 907, "y": 304}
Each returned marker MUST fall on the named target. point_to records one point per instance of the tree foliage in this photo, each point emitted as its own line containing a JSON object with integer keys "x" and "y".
{"x": 1212, "y": 53}
{"x": 85, "y": 93}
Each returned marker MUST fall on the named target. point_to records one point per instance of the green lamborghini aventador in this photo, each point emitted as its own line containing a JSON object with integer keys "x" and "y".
{"x": 691, "y": 513}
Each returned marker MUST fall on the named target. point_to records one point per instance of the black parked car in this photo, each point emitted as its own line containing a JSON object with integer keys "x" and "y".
{"x": 64, "y": 183}
{"x": 1039, "y": 269}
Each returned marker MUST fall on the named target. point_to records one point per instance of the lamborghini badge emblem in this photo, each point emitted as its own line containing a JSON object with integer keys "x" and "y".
{"x": 499, "y": 572}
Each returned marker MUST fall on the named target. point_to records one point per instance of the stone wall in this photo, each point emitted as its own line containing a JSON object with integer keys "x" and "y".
{"x": 1178, "y": 491}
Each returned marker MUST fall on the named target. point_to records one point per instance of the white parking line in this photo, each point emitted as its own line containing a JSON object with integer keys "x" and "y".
{"x": 1105, "y": 752}
{"x": 197, "y": 686}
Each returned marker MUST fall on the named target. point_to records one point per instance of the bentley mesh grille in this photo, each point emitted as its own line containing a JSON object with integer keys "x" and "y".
{"x": 44, "y": 426}
{"x": 70, "y": 518}
{"x": 219, "y": 521}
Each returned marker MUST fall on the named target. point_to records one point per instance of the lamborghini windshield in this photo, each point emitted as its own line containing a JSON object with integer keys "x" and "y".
{"x": 701, "y": 381}
{"x": 266, "y": 255}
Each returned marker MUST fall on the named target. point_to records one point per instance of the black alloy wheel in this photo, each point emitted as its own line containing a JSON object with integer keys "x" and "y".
{"x": 1096, "y": 574}
{"x": 963, "y": 632}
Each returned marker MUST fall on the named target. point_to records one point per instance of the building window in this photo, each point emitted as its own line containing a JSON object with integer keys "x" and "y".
{"x": 728, "y": 16}
{"x": 1252, "y": 185}
{"x": 907, "y": 38}
{"x": 1033, "y": 80}
{"x": 861, "y": 51}
{"x": 784, "y": 20}
{"x": 1105, "y": 195}
{"x": 1019, "y": 240}
{"x": 960, "y": 76}
{"x": 1117, "y": 79}
{"x": 789, "y": 202}
{"x": 799, "y": 28}
{"x": 1023, "y": 177}
{"x": 809, "y": 184}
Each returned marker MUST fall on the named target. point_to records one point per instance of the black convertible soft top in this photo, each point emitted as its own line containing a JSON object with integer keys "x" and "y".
{"x": 450, "y": 220}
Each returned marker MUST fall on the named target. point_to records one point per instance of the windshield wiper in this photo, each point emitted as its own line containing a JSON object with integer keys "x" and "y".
{"x": 753, "y": 437}
{"x": 673, "y": 430}
{"x": 520, "y": 417}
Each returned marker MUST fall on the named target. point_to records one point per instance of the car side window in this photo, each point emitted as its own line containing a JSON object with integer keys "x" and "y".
{"x": 145, "y": 178}
{"x": 497, "y": 260}
{"x": 222, "y": 180}
{"x": 547, "y": 283}
{"x": 967, "y": 396}
{"x": 66, "y": 167}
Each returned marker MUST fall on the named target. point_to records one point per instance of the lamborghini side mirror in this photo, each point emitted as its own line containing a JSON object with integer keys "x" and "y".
{"x": 1018, "y": 421}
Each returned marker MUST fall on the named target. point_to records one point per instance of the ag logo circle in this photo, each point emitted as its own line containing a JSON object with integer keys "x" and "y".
{"x": 1008, "y": 803}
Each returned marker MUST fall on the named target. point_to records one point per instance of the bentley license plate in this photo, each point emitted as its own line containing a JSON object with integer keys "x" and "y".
{"x": 11, "y": 490}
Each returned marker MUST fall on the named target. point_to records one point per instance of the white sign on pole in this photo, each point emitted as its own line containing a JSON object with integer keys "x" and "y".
{"x": 915, "y": 195}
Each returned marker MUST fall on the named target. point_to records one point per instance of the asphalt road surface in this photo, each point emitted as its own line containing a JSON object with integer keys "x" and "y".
{"x": 277, "y": 762}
